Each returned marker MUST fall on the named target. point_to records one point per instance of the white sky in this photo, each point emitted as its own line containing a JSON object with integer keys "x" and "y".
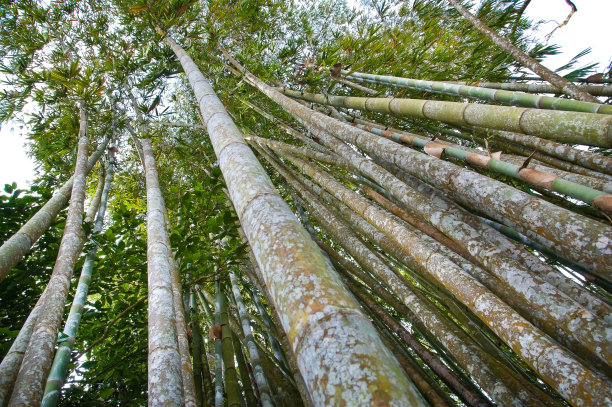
{"x": 587, "y": 27}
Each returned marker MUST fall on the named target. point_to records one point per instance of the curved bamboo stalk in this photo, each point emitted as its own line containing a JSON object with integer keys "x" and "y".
{"x": 554, "y": 79}
{"x": 595, "y": 90}
{"x": 598, "y": 199}
{"x": 21, "y": 242}
{"x": 219, "y": 384}
{"x": 304, "y": 288}
{"x": 554, "y": 364}
{"x": 502, "y": 96}
{"x": 567, "y": 127}
{"x": 59, "y": 368}
{"x": 29, "y": 385}
{"x": 260, "y": 378}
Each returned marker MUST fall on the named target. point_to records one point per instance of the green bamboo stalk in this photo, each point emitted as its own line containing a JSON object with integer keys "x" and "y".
{"x": 59, "y": 369}
{"x": 502, "y": 96}
{"x": 552, "y": 362}
{"x": 598, "y": 199}
{"x": 247, "y": 386}
{"x": 232, "y": 388}
{"x": 206, "y": 376}
{"x": 14, "y": 248}
{"x": 566, "y": 127}
{"x": 260, "y": 377}
{"x": 595, "y": 90}
{"x": 587, "y": 245}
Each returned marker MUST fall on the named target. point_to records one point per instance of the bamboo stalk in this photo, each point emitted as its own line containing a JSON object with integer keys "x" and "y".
{"x": 503, "y": 96}
{"x": 14, "y": 248}
{"x": 59, "y": 368}
{"x": 595, "y": 90}
{"x": 29, "y": 385}
{"x": 303, "y": 286}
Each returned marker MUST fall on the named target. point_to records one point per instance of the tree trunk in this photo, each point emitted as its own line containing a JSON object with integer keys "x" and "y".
{"x": 557, "y": 81}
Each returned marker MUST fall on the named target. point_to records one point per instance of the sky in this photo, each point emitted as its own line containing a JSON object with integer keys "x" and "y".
{"x": 587, "y": 27}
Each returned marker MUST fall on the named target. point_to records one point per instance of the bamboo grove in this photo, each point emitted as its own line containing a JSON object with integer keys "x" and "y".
{"x": 279, "y": 204}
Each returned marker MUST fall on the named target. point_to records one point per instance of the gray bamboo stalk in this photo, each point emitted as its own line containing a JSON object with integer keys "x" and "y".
{"x": 567, "y": 127}
{"x": 502, "y": 96}
{"x": 164, "y": 361}
{"x": 471, "y": 397}
{"x": 21, "y": 242}
{"x": 310, "y": 297}
{"x": 554, "y": 79}
{"x": 29, "y": 385}
{"x": 542, "y": 304}
{"x": 59, "y": 368}
{"x": 587, "y": 242}
{"x": 508, "y": 391}
{"x": 595, "y": 90}
{"x": 577, "y": 384}
{"x": 260, "y": 378}
{"x": 531, "y": 176}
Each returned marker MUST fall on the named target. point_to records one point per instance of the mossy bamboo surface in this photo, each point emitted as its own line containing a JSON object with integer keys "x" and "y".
{"x": 575, "y": 382}
{"x": 595, "y": 90}
{"x": 258, "y": 373}
{"x": 587, "y": 242}
{"x": 566, "y": 127}
{"x": 517, "y": 276}
{"x": 29, "y": 385}
{"x": 14, "y": 248}
{"x": 454, "y": 342}
{"x": 598, "y": 199}
{"x": 537, "y": 300}
{"x": 310, "y": 298}
{"x": 59, "y": 368}
{"x": 514, "y": 98}
{"x": 471, "y": 397}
